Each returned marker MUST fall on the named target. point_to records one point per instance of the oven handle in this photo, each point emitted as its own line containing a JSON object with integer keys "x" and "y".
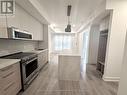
{"x": 30, "y": 61}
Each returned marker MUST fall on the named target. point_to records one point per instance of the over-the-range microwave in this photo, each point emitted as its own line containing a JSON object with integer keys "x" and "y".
{"x": 15, "y": 33}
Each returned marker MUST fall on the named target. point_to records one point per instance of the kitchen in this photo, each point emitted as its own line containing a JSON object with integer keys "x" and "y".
{"x": 23, "y": 52}
{"x": 72, "y": 53}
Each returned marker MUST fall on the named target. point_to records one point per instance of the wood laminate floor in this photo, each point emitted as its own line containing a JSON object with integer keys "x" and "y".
{"x": 47, "y": 82}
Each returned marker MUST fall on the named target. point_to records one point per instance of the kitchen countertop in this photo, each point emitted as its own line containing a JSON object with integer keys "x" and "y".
{"x": 73, "y": 53}
{"x": 69, "y": 54}
{"x": 7, "y": 62}
{"x": 38, "y": 51}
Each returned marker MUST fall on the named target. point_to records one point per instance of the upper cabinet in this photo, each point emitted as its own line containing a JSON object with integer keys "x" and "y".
{"x": 3, "y": 29}
{"x": 24, "y": 21}
{"x": 15, "y": 20}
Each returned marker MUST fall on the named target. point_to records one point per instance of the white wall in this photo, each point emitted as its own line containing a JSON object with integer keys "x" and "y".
{"x": 50, "y": 40}
{"x": 93, "y": 44}
{"x": 104, "y": 23}
{"x": 80, "y": 42}
{"x": 123, "y": 80}
{"x": 98, "y": 11}
{"x": 116, "y": 41}
{"x": 94, "y": 39}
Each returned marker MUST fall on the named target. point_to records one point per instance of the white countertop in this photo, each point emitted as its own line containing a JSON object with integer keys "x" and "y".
{"x": 69, "y": 54}
{"x": 38, "y": 51}
{"x": 7, "y": 62}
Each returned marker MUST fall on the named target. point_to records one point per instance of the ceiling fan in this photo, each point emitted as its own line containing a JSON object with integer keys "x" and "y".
{"x": 68, "y": 28}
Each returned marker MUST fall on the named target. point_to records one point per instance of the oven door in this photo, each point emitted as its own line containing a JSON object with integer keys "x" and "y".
{"x": 29, "y": 71}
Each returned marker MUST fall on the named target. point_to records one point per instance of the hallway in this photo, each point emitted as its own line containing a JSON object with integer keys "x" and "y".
{"x": 90, "y": 83}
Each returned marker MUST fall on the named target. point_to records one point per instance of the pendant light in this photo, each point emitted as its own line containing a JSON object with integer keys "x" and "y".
{"x": 68, "y": 28}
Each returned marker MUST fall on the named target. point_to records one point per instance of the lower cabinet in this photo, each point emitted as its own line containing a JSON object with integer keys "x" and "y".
{"x": 10, "y": 80}
{"x": 42, "y": 58}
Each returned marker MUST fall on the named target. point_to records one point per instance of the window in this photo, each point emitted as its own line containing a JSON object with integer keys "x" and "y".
{"x": 58, "y": 43}
{"x": 62, "y": 42}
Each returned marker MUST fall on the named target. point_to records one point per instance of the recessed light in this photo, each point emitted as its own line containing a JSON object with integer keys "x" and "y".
{"x": 73, "y": 25}
{"x": 53, "y": 25}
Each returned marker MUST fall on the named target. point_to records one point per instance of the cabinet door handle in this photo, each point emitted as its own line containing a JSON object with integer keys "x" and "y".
{"x": 9, "y": 86}
{"x": 8, "y": 75}
{"x": 7, "y": 68}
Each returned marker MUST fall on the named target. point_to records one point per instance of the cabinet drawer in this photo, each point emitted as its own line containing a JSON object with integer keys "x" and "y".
{"x": 10, "y": 80}
{"x": 7, "y": 79}
{"x": 7, "y": 70}
{"x": 11, "y": 89}
{"x": 9, "y": 74}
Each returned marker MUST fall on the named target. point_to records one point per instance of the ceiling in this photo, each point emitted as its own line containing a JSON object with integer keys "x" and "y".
{"x": 56, "y": 11}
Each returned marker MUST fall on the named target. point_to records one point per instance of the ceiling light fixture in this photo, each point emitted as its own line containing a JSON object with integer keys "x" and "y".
{"x": 52, "y": 25}
{"x": 73, "y": 25}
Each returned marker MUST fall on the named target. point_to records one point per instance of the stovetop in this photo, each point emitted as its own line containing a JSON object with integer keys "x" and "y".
{"x": 24, "y": 56}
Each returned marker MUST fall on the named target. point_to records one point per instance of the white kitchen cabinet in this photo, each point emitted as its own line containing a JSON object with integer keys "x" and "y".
{"x": 14, "y": 21}
{"x": 10, "y": 80}
{"x": 24, "y": 21}
{"x": 45, "y": 55}
{"x": 29, "y": 24}
{"x": 42, "y": 58}
{"x": 3, "y": 28}
{"x": 69, "y": 66}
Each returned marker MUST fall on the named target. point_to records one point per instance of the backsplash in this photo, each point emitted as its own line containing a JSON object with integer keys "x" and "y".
{"x": 12, "y": 46}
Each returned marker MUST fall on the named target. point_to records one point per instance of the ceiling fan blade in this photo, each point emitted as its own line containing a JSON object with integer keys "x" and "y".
{"x": 69, "y": 10}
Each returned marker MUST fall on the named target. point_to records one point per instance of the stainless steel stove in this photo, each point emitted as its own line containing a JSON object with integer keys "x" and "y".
{"x": 28, "y": 64}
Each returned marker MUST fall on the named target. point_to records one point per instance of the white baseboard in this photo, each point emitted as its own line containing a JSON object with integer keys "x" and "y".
{"x": 113, "y": 79}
